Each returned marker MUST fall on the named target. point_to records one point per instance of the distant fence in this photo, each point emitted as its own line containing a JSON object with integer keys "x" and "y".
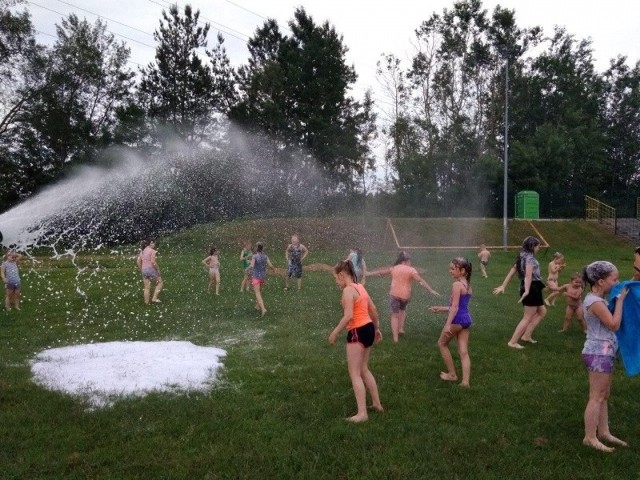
{"x": 597, "y": 211}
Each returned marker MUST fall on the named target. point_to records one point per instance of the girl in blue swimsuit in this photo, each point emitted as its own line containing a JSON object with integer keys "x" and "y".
{"x": 458, "y": 321}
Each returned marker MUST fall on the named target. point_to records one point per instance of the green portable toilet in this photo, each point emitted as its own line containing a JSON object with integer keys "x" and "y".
{"x": 527, "y": 204}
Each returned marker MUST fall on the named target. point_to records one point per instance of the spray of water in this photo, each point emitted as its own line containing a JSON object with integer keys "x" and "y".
{"x": 130, "y": 196}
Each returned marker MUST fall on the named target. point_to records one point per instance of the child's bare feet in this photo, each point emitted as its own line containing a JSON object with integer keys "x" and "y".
{"x": 155, "y": 300}
{"x": 377, "y": 408}
{"x": 611, "y": 439}
{"x": 464, "y": 384}
{"x": 529, "y": 340}
{"x": 562, "y": 330}
{"x": 357, "y": 418}
{"x": 598, "y": 445}
{"x": 264, "y": 312}
{"x": 516, "y": 345}
{"x": 448, "y": 377}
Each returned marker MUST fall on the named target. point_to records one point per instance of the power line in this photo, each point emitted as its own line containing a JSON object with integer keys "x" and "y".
{"x": 106, "y": 18}
{"x": 243, "y": 40}
{"x": 113, "y": 33}
{"x": 246, "y": 9}
{"x": 55, "y": 36}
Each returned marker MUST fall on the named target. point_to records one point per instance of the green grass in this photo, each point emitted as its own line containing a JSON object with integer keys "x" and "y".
{"x": 278, "y": 409}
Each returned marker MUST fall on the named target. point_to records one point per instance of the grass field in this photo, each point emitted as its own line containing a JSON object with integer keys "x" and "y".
{"x": 277, "y": 412}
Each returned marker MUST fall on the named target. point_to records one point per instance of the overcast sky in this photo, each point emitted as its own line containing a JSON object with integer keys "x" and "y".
{"x": 369, "y": 28}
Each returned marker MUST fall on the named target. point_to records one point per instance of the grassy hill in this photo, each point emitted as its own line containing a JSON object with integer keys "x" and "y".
{"x": 279, "y": 407}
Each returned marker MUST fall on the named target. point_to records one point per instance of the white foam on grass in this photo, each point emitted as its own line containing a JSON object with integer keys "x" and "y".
{"x": 102, "y": 373}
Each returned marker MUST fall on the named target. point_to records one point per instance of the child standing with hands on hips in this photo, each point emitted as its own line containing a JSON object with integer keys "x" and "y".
{"x": 458, "y": 321}
{"x": 599, "y": 352}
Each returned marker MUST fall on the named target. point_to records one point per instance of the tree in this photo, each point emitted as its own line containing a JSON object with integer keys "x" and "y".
{"x": 295, "y": 90}
{"x": 620, "y": 109}
{"x": 453, "y": 90}
{"x": 558, "y": 144}
{"x": 21, "y": 67}
{"x": 180, "y": 92}
{"x": 64, "y": 106}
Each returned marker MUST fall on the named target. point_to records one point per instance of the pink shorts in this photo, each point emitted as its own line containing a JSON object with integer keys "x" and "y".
{"x": 257, "y": 281}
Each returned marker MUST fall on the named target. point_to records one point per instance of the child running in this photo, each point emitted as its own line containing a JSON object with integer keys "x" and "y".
{"x": 599, "y": 352}
{"x": 294, "y": 255}
{"x": 245, "y": 258}
{"x": 402, "y": 277}
{"x": 458, "y": 322}
{"x": 212, "y": 262}
{"x": 360, "y": 318}
{"x": 258, "y": 265}
{"x": 572, "y": 292}
{"x": 484, "y": 255}
{"x": 555, "y": 267}
{"x": 11, "y": 279}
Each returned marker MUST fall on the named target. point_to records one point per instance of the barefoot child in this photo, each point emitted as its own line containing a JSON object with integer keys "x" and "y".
{"x": 258, "y": 265}
{"x": 572, "y": 292}
{"x": 599, "y": 352}
{"x": 245, "y": 258}
{"x": 554, "y": 268}
{"x": 458, "y": 321}
{"x": 11, "y": 279}
{"x": 360, "y": 318}
{"x": 484, "y": 255}
{"x": 148, "y": 265}
{"x": 212, "y": 262}
{"x": 402, "y": 277}
{"x": 531, "y": 286}
{"x": 294, "y": 255}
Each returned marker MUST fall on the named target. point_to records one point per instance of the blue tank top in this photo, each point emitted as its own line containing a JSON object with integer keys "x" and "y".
{"x": 463, "y": 317}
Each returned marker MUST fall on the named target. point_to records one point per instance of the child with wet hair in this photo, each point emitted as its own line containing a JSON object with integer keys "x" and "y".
{"x": 599, "y": 352}
{"x": 458, "y": 321}
{"x": 360, "y": 318}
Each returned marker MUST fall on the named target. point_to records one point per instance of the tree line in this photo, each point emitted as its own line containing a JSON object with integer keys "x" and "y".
{"x": 573, "y": 130}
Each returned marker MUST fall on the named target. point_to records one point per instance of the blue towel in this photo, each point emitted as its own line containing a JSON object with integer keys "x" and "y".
{"x": 629, "y": 333}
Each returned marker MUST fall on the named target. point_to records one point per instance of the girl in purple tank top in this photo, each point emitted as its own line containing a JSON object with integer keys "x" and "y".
{"x": 458, "y": 321}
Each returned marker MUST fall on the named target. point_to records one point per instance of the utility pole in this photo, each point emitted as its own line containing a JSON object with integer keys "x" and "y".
{"x": 505, "y": 228}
